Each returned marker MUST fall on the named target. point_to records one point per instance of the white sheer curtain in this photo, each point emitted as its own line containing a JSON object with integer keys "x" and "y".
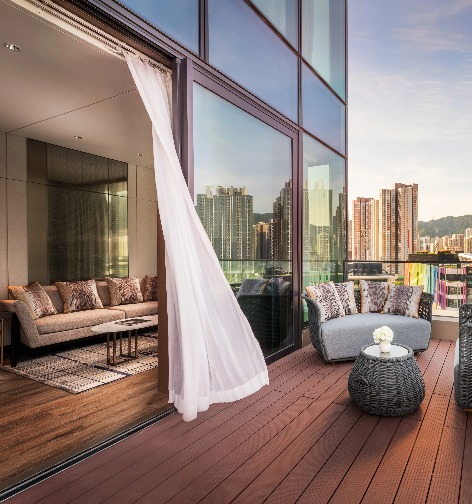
{"x": 213, "y": 355}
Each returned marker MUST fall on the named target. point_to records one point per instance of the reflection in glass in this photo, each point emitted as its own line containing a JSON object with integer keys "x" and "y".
{"x": 87, "y": 215}
{"x": 243, "y": 196}
{"x": 323, "y": 114}
{"x": 323, "y": 40}
{"x": 283, "y": 14}
{"x": 324, "y": 217}
{"x": 177, "y": 18}
{"x": 242, "y": 46}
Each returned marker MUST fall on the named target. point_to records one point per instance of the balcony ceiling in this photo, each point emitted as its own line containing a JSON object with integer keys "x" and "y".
{"x": 59, "y": 86}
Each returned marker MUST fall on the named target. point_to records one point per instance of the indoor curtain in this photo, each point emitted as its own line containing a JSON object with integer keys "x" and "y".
{"x": 213, "y": 355}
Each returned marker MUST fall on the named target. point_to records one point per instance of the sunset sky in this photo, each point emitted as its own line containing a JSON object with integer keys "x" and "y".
{"x": 410, "y": 101}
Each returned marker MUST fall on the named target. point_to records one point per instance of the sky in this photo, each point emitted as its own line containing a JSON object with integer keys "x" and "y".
{"x": 410, "y": 101}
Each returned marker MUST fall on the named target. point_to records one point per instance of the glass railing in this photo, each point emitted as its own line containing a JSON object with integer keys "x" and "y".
{"x": 236, "y": 271}
{"x": 449, "y": 283}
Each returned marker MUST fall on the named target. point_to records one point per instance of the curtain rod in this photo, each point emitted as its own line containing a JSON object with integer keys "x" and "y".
{"x": 65, "y": 21}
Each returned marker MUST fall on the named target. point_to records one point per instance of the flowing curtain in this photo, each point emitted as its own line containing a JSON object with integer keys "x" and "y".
{"x": 213, "y": 355}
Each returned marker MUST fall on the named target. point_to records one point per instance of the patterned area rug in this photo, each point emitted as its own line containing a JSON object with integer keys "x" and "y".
{"x": 85, "y": 368}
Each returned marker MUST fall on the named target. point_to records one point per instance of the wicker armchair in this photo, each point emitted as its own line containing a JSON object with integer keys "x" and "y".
{"x": 463, "y": 359}
{"x": 269, "y": 314}
{"x": 314, "y": 324}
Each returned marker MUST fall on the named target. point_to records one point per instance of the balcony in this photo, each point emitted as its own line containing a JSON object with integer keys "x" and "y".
{"x": 298, "y": 440}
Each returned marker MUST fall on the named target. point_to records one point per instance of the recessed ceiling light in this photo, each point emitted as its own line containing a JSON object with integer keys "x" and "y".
{"x": 78, "y": 137}
{"x": 11, "y": 46}
{"x": 139, "y": 154}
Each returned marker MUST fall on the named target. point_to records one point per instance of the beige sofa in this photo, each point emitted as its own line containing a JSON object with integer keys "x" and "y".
{"x": 67, "y": 326}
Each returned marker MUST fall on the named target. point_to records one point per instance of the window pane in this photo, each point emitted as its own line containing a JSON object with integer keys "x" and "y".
{"x": 283, "y": 14}
{"x": 177, "y": 18}
{"x": 323, "y": 113}
{"x": 247, "y": 50}
{"x": 243, "y": 195}
{"x": 324, "y": 39}
{"x": 323, "y": 213}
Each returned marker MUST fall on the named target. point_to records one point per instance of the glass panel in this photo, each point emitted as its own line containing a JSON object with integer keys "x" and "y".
{"x": 247, "y": 50}
{"x": 324, "y": 40}
{"x": 283, "y": 14}
{"x": 243, "y": 194}
{"x": 323, "y": 114}
{"x": 324, "y": 217}
{"x": 118, "y": 229}
{"x": 177, "y": 18}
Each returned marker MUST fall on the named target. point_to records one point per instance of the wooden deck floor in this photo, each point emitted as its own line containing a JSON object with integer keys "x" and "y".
{"x": 298, "y": 440}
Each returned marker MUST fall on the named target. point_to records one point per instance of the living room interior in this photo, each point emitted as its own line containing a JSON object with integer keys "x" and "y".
{"x": 78, "y": 202}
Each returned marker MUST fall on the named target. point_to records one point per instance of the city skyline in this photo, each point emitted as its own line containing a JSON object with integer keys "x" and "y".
{"x": 410, "y": 109}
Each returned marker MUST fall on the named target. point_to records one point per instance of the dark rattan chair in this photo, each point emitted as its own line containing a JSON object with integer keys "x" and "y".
{"x": 463, "y": 359}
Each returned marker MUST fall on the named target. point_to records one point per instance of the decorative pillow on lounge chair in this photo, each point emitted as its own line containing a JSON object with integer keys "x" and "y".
{"x": 150, "y": 288}
{"x": 124, "y": 291}
{"x": 404, "y": 300}
{"x": 345, "y": 292}
{"x": 79, "y": 296}
{"x": 327, "y": 298}
{"x": 373, "y": 296}
{"x": 35, "y": 298}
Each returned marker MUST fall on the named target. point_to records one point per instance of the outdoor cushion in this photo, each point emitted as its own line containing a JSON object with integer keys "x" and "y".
{"x": 137, "y": 309}
{"x": 76, "y": 320}
{"x": 373, "y": 296}
{"x": 345, "y": 292}
{"x": 344, "y": 337}
{"x": 404, "y": 300}
{"x": 326, "y": 296}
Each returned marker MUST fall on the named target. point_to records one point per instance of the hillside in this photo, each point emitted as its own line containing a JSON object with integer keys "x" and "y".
{"x": 445, "y": 226}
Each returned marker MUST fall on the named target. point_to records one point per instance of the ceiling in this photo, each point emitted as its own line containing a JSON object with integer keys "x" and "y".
{"x": 59, "y": 86}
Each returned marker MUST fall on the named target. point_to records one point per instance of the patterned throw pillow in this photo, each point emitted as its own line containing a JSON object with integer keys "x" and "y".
{"x": 345, "y": 292}
{"x": 79, "y": 296}
{"x": 150, "y": 288}
{"x": 404, "y": 300}
{"x": 373, "y": 296}
{"x": 124, "y": 291}
{"x": 35, "y": 298}
{"x": 327, "y": 298}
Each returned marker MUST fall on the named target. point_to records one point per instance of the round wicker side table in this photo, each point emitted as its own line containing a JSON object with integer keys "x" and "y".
{"x": 386, "y": 384}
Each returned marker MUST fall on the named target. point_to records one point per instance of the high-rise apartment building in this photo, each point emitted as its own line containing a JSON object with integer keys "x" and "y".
{"x": 227, "y": 216}
{"x": 407, "y": 219}
{"x": 365, "y": 229}
{"x": 398, "y": 227}
{"x": 387, "y": 225}
{"x": 282, "y": 224}
{"x": 262, "y": 240}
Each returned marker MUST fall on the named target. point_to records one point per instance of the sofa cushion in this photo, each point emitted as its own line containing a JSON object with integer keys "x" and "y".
{"x": 103, "y": 292}
{"x": 124, "y": 291}
{"x": 76, "y": 320}
{"x": 373, "y": 296}
{"x": 252, "y": 286}
{"x": 35, "y": 298}
{"x": 79, "y": 296}
{"x": 326, "y": 297}
{"x": 343, "y": 338}
{"x": 404, "y": 300}
{"x": 150, "y": 288}
{"x": 345, "y": 292}
{"x": 137, "y": 309}
{"x": 53, "y": 293}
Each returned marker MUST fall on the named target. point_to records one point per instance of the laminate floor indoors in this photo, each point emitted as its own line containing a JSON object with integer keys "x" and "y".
{"x": 298, "y": 440}
{"x": 42, "y": 425}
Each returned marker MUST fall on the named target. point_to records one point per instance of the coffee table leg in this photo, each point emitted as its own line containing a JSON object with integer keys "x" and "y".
{"x": 114, "y": 348}
{"x": 129, "y": 343}
{"x": 121, "y": 343}
{"x": 135, "y": 343}
{"x": 108, "y": 348}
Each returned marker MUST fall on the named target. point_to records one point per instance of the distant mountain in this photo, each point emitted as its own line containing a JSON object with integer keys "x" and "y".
{"x": 263, "y": 217}
{"x": 445, "y": 226}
